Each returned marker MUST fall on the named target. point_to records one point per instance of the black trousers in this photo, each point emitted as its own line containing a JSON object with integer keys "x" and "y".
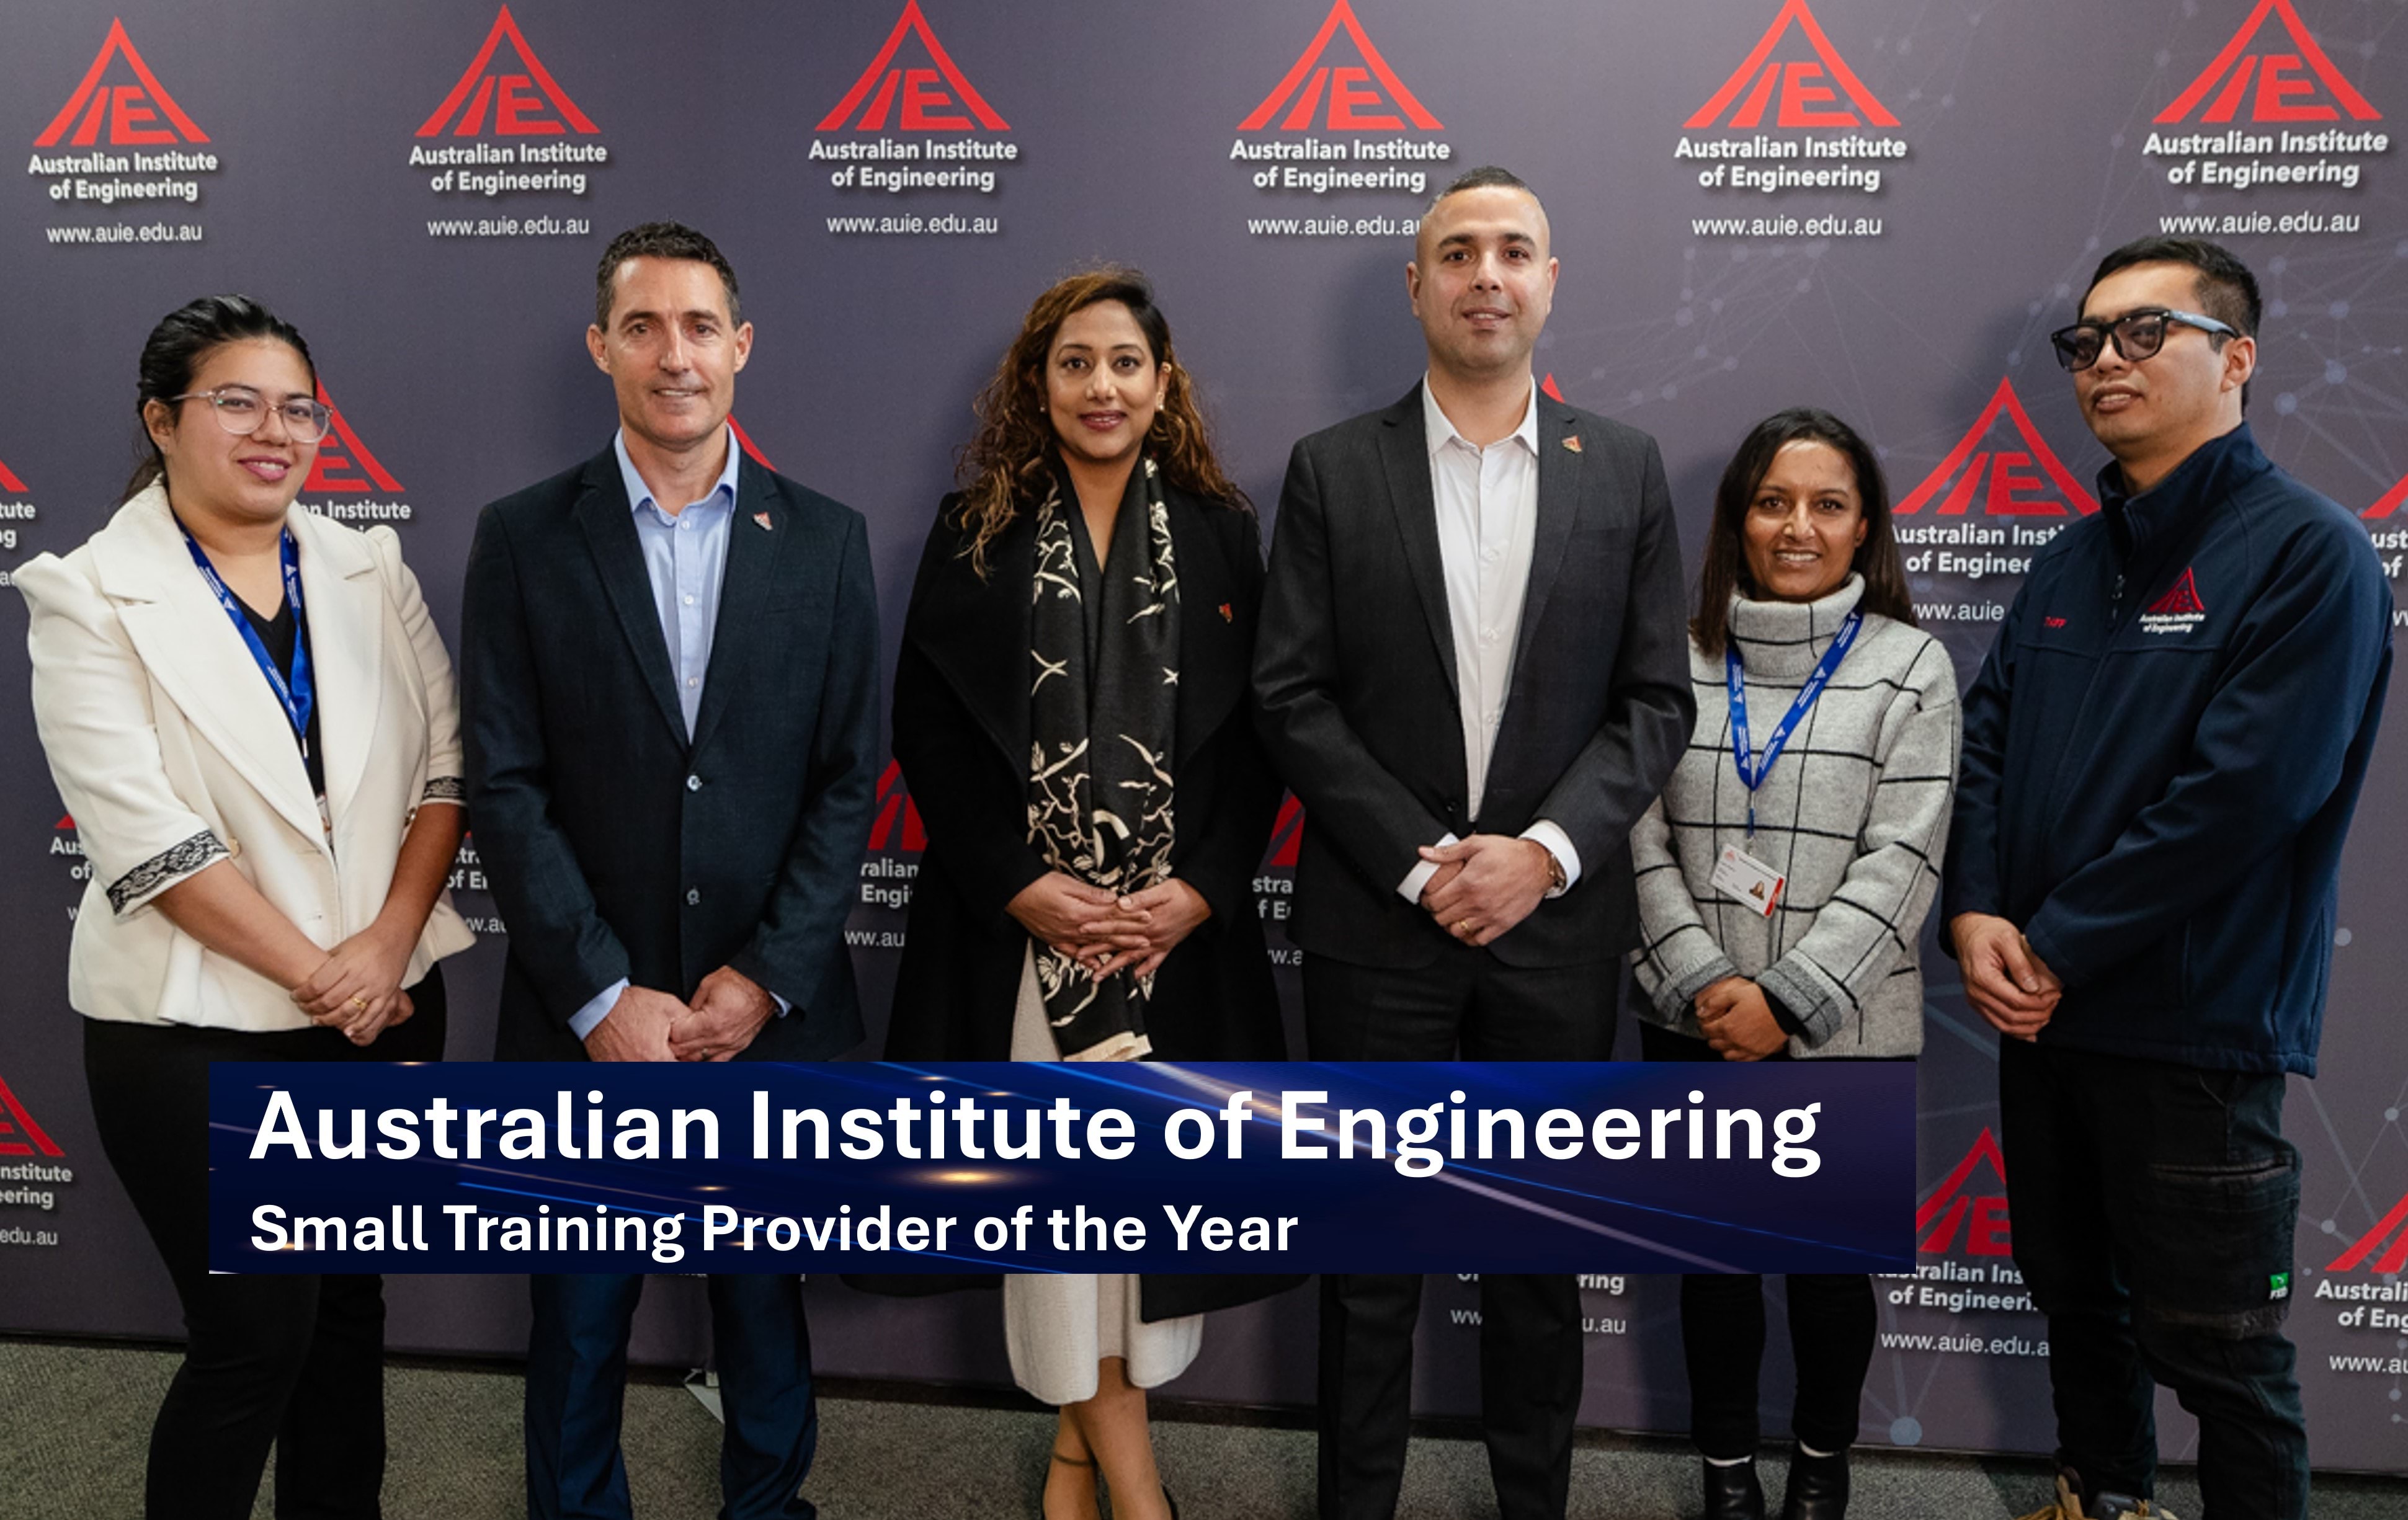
{"x": 295, "y": 1363}
{"x": 1473, "y": 1007}
{"x": 2154, "y": 1207}
{"x": 1832, "y": 1323}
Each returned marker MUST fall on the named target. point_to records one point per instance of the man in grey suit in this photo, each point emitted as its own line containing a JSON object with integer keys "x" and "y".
{"x": 1473, "y": 671}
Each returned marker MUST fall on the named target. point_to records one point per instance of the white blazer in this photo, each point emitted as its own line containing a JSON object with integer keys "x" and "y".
{"x": 172, "y": 753}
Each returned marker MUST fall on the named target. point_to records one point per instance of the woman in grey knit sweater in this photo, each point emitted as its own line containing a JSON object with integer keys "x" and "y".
{"x": 1782, "y": 893}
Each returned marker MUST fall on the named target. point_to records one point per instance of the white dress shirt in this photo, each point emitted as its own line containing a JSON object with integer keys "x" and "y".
{"x": 1487, "y": 504}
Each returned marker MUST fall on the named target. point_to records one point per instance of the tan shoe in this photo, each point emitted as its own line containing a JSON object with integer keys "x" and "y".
{"x": 2113, "y": 1506}
{"x": 2067, "y": 1505}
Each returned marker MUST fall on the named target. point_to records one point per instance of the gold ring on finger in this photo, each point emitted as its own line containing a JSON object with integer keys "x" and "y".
{"x": 360, "y": 1003}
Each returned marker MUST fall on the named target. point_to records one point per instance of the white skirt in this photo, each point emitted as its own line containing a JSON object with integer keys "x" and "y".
{"x": 1059, "y": 1327}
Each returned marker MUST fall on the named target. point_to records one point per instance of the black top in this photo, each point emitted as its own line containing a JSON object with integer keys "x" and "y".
{"x": 279, "y": 635}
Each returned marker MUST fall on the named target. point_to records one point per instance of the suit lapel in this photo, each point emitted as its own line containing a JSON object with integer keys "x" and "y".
{"x": 1404, "y": 456}
{"x": 346, "y": 608}
{"x": 608, "y": 518}
{"x": 1210, "y": 676}
{"x": 190, "y": 647}
{"x": 1559, "y": 487}
{"x": 976, "y": 633}
{"x": 754, "y": 558}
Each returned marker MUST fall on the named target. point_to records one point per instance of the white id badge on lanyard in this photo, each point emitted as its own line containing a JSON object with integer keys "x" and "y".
{"x": 1748, "y": 881}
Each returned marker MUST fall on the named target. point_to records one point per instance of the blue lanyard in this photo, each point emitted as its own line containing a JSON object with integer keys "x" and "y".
{"x": 1751, "y": 770}
{"x": 300, "y": 694}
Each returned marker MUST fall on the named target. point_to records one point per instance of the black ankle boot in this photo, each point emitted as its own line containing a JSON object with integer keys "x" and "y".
{"x": 1818, "y": 1487}
{"x": 1732, "y": 1493}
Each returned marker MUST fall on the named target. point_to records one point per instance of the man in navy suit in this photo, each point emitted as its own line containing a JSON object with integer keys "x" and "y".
{"x": 669, "y": 692}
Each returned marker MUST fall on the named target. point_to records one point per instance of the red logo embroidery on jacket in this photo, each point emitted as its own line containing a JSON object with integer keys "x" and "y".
{"x": 2180, "y": 601}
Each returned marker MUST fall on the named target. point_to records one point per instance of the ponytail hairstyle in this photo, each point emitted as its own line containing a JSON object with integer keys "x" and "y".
{"x": 172, "y": 356}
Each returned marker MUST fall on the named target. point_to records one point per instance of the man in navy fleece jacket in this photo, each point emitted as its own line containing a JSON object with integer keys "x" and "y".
{"x": 2161, "y": 755}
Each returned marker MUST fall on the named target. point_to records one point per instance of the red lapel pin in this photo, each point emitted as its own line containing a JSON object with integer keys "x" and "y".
{"x": 1573, "y": 443}
{"x": 1227, "y": 616}
{"x": 762, "y": 518}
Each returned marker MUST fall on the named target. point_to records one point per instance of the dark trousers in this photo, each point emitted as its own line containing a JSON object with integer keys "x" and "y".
{"x": 2153, "y": 1209}
{"x": 1469, "y": 1006}
{"x": 1832, "y": 1323}
{"x": 577, "y": 1383}
{"x": 295, "y": 1363}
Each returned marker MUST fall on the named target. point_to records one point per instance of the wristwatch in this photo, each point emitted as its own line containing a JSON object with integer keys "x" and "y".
{"x": 1556, "y": 881}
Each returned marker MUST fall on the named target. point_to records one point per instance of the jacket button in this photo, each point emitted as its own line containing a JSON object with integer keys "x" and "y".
{"x": 692, "y": 896}
{"x": 694, "y": 783}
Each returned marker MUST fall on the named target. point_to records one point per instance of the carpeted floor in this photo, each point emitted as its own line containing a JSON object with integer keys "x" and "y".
{"x": 76, "y": 1418}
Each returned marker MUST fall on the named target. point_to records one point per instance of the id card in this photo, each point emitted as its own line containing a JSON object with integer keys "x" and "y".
{"x": 1744, "y": 879}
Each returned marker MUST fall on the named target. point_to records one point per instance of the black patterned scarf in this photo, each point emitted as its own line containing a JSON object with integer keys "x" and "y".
{"x": 1099, "y": 790}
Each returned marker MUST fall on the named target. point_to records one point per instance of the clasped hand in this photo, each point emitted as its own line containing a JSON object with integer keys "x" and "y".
{"x": 1738, "y": 1020}
{"x": 2006, "y": 980}
{"x": 728, "y": 1009}
{"x": 1485, "y": 885}
{"x": 356, "y": 990}
{"x": 1104, "y": 931}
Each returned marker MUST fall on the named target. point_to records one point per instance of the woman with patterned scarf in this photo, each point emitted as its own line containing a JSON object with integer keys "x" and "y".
{"x": 1072, "y": 714}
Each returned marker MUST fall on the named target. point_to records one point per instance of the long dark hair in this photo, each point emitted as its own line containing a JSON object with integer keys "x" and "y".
{"x": 1015, "y": 444}
{"x": 172, "y": 356}
{"x": 1725, "y": 565}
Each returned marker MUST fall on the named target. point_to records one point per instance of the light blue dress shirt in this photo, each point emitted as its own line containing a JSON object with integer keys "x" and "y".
{"x": 685, "y": 557}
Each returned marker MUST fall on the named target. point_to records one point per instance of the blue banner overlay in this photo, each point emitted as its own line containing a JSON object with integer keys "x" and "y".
{"x": 1129, "y": 1166}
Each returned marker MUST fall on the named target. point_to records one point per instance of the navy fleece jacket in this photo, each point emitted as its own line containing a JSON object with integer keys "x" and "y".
{"x": 2161, "y": 755}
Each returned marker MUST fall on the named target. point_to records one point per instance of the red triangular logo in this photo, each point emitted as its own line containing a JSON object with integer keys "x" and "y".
{"x": 13, "y": 1118}
{"x": 1287, "y": 834}
{"x": 2181, "y": 599}
{"x": 66, "y": 821}
{"x": 129, "y": 112}
{"x": 895, "y": 804}
{"x": 2366, "y": 1245}
{"x": 924, "y": 105}
{"x": 1355, "y": 103}
{"x": 1548, "y": 385}
{"x": 342, "y": 453}
{"x": 516, "y": 98}
{"x": 744, "y": 442}
{"x": 1804, "y": 99}
{"x": 2384, "y": 505}
{"x": 1940, "y": 1215}
{"x": 2281, "y": 78}
{"x": 8, "y": 480}
{"x": 2001, "y": 479}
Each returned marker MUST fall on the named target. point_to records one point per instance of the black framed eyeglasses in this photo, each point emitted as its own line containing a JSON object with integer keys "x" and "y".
{"x": 2137, "y": 335}
{"x": 241, "y": 410}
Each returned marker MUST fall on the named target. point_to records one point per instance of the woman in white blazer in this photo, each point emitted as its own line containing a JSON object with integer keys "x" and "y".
{"x": 250, "y": 718}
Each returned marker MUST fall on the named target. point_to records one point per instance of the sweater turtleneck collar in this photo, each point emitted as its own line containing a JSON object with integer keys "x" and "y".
{"x": 1779, "y": 639}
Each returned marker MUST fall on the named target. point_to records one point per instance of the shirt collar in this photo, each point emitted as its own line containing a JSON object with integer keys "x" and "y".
{"x": 1440, "y": 431}
{"x": 639, "y": 495}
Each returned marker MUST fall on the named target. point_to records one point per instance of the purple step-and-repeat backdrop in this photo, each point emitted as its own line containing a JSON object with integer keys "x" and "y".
{"x": 1876, "y": 206}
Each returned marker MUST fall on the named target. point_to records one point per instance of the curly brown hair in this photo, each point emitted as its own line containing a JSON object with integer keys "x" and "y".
{"x": 1004, "y": 463}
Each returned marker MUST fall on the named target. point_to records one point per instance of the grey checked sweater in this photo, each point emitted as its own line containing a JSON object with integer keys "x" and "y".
{"x": 1854, "y": 814}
